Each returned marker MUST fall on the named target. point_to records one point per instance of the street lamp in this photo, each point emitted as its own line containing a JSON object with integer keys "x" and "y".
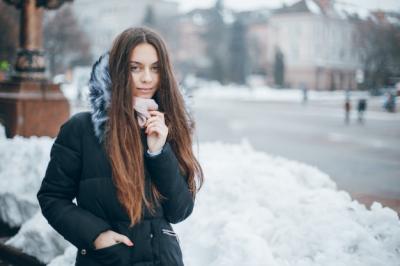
{"x": 30, "y": 61}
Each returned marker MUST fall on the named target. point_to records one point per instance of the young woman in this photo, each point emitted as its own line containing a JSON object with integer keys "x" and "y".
{"x": 129, "y": 162}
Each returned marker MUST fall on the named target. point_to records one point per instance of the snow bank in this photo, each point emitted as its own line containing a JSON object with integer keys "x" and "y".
{"x": 254, "y": 209}
{"x": 23, "y": 162}
{"x": 214, "y": 90}
{"x": 68, "y": 258}
{"x": 38, "y": 239}
{"x": 2, "y": 132}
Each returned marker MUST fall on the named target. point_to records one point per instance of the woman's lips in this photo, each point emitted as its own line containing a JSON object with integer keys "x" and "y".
{"x": 144, "y": 89}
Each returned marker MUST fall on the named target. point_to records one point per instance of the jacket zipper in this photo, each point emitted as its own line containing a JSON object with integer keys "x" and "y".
{"x": 170, "y": 233}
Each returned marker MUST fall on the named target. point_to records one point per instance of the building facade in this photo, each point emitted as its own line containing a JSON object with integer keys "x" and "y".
{"x": 318, "y": 46}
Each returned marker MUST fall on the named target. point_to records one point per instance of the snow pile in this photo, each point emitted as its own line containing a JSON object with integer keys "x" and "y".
{"x": 261, "y": 210}
{"x": 68, "y": 258}
{"x": 2, "y": 132}
{"x": 38, "y": 239}
{"x": 254, "y": 209}
{"x": 23, "y": 162}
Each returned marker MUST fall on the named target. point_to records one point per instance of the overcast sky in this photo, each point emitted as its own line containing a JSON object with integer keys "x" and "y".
{"x": 186, "y": 5}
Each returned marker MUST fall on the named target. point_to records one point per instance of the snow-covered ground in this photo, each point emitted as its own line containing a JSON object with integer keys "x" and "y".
{"x": 254, "y": 209}
{"x": 214, "y": 90}
{"x": 264, "y": 93}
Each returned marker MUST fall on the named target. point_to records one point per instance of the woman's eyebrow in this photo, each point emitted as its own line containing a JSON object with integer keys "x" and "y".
{"x": 139, "y": 63}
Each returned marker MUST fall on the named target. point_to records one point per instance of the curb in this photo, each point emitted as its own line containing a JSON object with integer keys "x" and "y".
{"x": 16, "y": 256}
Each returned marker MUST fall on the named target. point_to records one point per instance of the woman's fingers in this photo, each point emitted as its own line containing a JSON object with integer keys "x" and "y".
{"x": 156, "y": 123}
{"x": 157, "y": 114}
{"x": 154, "y": 129}
{"x": 124, "y": 239}
{"x": 152, "y": 119}
{"x": 110, "y": 238}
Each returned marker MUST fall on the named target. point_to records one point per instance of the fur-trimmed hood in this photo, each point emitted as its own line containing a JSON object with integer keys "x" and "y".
{"x": 100, "y": 96}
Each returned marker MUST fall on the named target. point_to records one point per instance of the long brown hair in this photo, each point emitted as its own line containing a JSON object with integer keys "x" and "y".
{"x": 123, "y": 139}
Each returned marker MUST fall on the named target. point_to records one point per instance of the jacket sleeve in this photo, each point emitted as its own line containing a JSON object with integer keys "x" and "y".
{"x": 164, "y": 171}
{"x": 60, "y": 186}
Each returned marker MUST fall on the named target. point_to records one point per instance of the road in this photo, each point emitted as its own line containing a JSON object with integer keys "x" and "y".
{"x": 362, "y": 159}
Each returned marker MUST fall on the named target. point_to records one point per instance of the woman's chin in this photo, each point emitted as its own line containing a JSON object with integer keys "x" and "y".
{"x": 144, "y": 95}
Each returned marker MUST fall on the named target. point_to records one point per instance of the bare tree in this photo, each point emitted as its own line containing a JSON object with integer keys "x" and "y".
{"x": 379, "y": 47}
{"x": 217, "y": 45}
{"x": 65, "y": 44}
{"x": 149, "y": 17}
{"x": 238, "y": 53}
{"x": 279, "y": 68}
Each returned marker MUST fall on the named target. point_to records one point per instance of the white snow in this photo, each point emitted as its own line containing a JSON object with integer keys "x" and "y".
{"x": 345, "y": 9}
{"x": 254, "y": 209}
{"x": 38, "y": 239}
{"x": 22, "y": 165}
{"x": 266, "y": 210}
{"x": 214, "y": 90}
{"x": 67, "y": 258}
{"x": 313, "y": 7}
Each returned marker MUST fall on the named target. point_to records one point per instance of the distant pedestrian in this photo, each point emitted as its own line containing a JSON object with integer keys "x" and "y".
{"x": 347, "y": 108}
{"x": 304, "y": 91}
{"x": 390, "y": 102}
{"x": 361, "y": 108}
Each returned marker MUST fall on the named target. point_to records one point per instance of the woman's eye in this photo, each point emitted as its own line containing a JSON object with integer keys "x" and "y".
{"x": 134, "y": 69}
{"x": 155, "y": 69}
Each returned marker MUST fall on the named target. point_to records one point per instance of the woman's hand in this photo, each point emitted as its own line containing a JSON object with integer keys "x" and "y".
{"x": 156, "y": 131}
{"x": 110, "y": 238}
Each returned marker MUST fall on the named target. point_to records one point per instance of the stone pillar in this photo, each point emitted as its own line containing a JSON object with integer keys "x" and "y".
{"x": 30, "y": 105}
{"x": 32, "y": 108}
{"x": 30, "y": 58}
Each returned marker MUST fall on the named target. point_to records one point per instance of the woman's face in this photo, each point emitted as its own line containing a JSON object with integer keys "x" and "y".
{"x": 144, "y": 68}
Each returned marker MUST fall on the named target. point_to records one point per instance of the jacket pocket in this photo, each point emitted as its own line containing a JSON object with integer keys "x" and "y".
{"x": 117, "y": 254}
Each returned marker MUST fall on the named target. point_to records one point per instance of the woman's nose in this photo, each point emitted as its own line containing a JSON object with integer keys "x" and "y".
{"x": 146, "y": 77}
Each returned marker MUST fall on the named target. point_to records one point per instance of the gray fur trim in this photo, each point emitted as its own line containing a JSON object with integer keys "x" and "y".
{"x": 100, "y": 95}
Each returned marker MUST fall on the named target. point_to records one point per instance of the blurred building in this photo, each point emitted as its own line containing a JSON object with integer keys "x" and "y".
{"x": 317, "y": 42}
{"x": 191, "y": 56}
{"x": 202, "y": 40}
{"x": 104, "y": 20}
{"x": 257, "y": 39}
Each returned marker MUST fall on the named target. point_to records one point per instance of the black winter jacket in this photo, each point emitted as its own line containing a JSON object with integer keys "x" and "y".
{"x": 79, "y": 168}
